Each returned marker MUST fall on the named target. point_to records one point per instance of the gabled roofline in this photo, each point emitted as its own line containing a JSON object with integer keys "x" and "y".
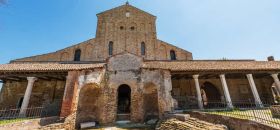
{"x": 174, "y": 46}
{"x": 20, "y": 59}
{"x": 123, "y": 6}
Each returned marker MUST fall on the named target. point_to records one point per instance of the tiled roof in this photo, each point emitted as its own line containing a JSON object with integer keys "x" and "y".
{"x": 214, "y": 65}
{"x": 27, "y": 67}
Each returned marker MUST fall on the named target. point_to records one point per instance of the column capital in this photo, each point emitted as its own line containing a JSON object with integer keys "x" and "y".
{"x": 275, "y": 75}
{"x": 222, "y": 75}
{"x": 31, "y": 79}
{"x": 249, "y": 75}
{"x": 195, "y": 76}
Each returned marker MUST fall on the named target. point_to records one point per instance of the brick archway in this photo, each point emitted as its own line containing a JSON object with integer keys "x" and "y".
{"x": 124, "y": 99}
{"x": 88, "y": 104}
{"x": 151, "y": 107}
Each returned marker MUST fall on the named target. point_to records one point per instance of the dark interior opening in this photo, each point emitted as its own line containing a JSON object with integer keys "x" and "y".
{"x": 20, "y": 102}
{"x": 212, "y": 97}
{"x": 124, "y": 98}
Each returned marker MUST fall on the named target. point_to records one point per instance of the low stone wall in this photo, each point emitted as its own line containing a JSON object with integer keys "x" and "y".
{"x": 230, "y": 122}
{"x": 31, "y": 124}
{"x": 68, "y": 124}
{"x": 48, "y": 123}
{"x": 22, "y": 125}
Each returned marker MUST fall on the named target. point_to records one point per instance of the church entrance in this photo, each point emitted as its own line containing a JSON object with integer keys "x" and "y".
{"x": 124, "y": 99}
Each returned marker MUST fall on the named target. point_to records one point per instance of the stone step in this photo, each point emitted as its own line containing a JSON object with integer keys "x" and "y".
{"x": 123, "y": 122}
{"x": 122, "y": 117}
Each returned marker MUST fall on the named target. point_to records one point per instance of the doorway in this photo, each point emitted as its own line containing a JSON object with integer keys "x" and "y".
{"x": 124, "y": 99}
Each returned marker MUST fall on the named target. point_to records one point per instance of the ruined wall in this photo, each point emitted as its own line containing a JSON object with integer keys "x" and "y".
{"x": 83, "y": 97}
{"x": 162, "y": 80}
{"x": 125, "y": 70}
{"x": 44, "y": 93}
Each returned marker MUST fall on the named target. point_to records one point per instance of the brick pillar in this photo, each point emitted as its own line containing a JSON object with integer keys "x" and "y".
{"x": 70, "y": 93}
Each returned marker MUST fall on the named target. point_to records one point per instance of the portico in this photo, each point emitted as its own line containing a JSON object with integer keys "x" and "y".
{"x": 220, "y": 84}
{"x": 235, "y": 89}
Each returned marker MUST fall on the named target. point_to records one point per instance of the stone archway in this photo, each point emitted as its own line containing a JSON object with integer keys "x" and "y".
{"x": 210, "y": 95}
{"x": 150, "y": 106}
{"x": 88, "y": 105}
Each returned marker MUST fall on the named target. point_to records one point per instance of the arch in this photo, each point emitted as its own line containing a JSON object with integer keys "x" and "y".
{"x": 150, "y": 105}
{"x": 173, "y": 55}
{"x": 124, "y": 99}
{"x": 111, "y": 45}
{"x": 77, "y": 55}
{"x": 210, "y": 94}
{"x": 121, "y": 26}
{"x": 88, "y": 105}
{"x": 143, "y": 48}
{"x": 133, "y": 26}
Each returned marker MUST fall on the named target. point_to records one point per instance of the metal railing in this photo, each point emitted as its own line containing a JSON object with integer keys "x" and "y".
{"x": 32, "y": 112}
{"x": 260, "y": 113}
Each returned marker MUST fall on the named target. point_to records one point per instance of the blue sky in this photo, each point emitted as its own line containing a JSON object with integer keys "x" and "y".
{"x": 210, "y": 29}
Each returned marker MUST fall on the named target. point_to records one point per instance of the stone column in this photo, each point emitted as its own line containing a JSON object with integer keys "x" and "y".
{"x": 258, "y": 101}
{"x": 226, "y": 92}
{"x": 198, "y": 92}
{"x": 27, "y": 95}
{"x": 277, "y": 82}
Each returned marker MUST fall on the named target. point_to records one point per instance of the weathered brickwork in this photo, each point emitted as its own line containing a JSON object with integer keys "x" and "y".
{"x": 43, "y": 93}
{"x": 126, "y": 32}
{"x": 136, "y": 79}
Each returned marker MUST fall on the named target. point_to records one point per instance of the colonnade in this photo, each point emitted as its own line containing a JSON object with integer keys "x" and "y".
{"x": 228, "y": 100}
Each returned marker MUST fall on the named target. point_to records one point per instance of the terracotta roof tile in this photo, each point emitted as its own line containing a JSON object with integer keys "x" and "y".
{"x": 214, "y": 65}
{"x": 46, "y": 67}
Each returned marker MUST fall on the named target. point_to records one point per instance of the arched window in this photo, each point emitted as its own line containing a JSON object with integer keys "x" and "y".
{"x": 111, "y": 48}
{"x": 143, "y": 48}
{"x": 77, "y": 56}
{"x": 172, "y": 55}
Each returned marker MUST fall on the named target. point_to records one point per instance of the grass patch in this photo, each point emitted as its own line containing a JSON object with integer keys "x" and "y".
{"x": 5, "y": 122}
